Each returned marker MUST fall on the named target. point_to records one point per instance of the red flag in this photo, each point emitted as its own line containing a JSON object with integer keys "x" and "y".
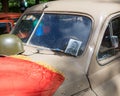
{"x": 20, "y": 77}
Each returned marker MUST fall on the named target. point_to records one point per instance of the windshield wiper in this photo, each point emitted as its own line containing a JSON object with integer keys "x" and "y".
{"x": 49, "y": 51}
{"x": 46, "y": 51}
{"x": 57, "y": 50}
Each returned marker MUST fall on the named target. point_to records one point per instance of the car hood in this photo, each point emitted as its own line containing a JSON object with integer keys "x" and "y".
{"x": 70, "y": 67}
{"x": 41, "y": 73}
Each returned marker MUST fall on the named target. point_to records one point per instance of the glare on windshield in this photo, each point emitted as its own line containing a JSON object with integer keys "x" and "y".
{"x": 68, "y": 33}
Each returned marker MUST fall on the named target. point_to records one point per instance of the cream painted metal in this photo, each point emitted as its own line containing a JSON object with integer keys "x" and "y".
{"x": 84, "y": 75}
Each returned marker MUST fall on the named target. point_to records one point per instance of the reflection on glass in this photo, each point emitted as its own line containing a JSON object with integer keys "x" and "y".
{"x": 55, "y": 30}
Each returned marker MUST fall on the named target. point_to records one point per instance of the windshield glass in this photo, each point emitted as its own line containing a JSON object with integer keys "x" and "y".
{"x": 26, "y": 25}
{"x": 67, "y": 33}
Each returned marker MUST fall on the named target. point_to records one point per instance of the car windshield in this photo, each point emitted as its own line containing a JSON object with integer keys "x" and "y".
{"x": 67, "y": 33}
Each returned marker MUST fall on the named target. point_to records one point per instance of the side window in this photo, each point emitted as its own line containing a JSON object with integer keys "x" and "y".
{"x": 110, "y": 45}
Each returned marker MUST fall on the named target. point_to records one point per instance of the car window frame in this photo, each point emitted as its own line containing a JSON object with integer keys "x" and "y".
{"x": 104, "y": 27}
{"x": 69, "y": 13}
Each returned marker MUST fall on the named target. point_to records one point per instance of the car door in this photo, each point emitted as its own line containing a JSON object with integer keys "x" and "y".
{"x": 104, "y": 71}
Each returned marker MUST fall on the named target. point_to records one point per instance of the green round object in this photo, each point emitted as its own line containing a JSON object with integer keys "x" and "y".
{"x": 10, "y": 45}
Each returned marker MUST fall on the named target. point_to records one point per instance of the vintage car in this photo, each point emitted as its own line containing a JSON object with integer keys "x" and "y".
{"x": 6, "y": 26}
{"x": 10, "y": 16}
{"x": 71, "y": 48}
{"x": 8, "y": 21}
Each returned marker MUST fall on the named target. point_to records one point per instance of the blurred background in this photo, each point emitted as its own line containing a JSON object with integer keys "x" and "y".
{"x": 18, "y": 5}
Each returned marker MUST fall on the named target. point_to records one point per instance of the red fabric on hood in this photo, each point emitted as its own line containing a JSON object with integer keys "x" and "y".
{"x": 25, "y": 78}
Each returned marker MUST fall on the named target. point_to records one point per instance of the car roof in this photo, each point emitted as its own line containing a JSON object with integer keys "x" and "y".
{"x": 95, "y": 8}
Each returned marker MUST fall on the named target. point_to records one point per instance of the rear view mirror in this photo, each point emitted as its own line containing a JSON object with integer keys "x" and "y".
{"x": 114, "y": 41}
